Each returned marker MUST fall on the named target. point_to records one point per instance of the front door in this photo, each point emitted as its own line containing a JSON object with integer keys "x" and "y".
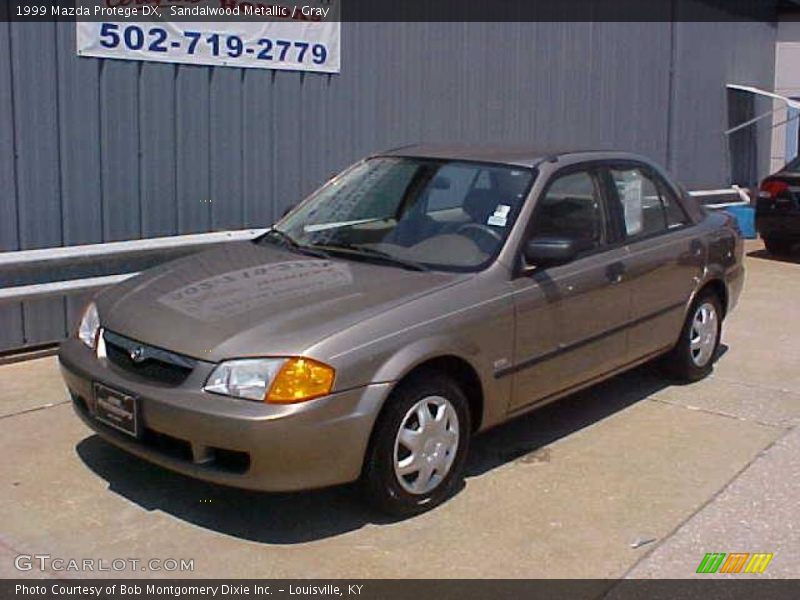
{"x": 570, "y": 319}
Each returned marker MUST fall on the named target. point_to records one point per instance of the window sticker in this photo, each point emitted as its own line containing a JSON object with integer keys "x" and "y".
{"x": 502, "y": 210}
{"x": 631, "y": 192}
{"x": 500, "y": 216}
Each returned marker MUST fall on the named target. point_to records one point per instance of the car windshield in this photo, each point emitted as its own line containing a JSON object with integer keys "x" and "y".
{"x": 435, "y": 214}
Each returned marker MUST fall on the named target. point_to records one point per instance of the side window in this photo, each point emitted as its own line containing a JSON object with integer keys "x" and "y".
{"x": 647, "y": 206}
{"x": 641, "y": 202}
{"x": 571, "y": 208}
{"x": 676, "y": 217}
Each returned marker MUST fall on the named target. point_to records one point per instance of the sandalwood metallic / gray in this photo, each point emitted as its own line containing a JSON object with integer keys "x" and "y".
{"x": 422, "y": 296}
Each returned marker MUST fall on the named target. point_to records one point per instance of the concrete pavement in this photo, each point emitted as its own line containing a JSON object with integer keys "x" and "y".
{"x": 632, "y": 477}
{"x": 757, "y": 510}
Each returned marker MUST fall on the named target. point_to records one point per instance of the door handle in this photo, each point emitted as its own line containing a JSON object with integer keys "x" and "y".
{"x": 615, "y": 272}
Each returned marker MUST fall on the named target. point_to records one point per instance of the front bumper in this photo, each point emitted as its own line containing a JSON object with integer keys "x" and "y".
{"x": 228, "y": 441}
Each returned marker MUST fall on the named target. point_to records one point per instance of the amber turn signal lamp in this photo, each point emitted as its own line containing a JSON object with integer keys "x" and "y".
{"x": 300, "y": 379}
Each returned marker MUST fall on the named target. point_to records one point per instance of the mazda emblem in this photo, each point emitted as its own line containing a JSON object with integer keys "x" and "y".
{"x": 137, "y": 354}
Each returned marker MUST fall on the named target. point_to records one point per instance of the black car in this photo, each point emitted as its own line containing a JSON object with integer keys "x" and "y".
{"x": 778, "y": 209}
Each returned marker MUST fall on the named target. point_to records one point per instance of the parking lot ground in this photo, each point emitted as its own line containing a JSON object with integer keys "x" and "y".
{"x": 635, "y": 476}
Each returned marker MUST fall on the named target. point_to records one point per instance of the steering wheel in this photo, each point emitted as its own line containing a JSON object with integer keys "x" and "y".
{"x": 484, "y": 230}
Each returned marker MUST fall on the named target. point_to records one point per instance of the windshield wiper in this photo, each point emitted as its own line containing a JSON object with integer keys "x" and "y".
{"x": 289, "y": 242}
{"x": 372, "y": 253}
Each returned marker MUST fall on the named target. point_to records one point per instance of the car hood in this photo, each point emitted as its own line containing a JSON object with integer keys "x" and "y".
{"x": 246, "y": 299}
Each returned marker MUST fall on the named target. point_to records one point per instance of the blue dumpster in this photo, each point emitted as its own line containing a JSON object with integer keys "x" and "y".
{"x": 745, "y": 217}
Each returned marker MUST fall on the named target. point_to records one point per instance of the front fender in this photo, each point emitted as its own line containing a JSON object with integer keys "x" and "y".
{"x": 409, "y": 357}
{"x": 495, "y": 393}
{"x": 475, "y": 326}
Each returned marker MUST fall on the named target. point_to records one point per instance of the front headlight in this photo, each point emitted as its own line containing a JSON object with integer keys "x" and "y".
{"x": 89, "y": 326}
{"x": 274, "y": 380}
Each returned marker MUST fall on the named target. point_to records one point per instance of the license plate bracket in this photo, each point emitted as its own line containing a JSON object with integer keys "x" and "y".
{"x": 116, "y": 409}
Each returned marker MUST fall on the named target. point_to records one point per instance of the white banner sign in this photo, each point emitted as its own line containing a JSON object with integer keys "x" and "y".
{"x": 291, "y": 45}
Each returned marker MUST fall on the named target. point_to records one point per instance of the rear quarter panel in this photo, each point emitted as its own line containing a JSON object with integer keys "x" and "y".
{"x": 725, "y": 254}
{"x": 723, "y": 257}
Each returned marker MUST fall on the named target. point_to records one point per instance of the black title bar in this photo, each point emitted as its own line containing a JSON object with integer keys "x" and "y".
{"x": 397, "y": 10}
{"x": 460, "y": 589}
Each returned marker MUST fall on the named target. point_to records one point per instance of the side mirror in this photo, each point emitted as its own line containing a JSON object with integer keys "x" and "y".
{"x": 552, "y": 251}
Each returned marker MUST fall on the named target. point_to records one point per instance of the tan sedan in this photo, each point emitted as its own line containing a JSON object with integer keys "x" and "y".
{"x": 421, "y": 296}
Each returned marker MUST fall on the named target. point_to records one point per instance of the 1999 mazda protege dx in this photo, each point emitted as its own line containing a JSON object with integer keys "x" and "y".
{"x": 421, "y": 296}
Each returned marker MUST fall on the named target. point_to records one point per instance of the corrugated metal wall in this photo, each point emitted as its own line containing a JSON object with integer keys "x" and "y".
{"x": 99, "y": 150}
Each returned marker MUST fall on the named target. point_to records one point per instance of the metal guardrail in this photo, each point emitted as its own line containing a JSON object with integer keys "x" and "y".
{"x": 740, "y": 192}
{"x": 21, "y": 258}
{"x": 52, "y": 256}
{"x": 37, "y": 291}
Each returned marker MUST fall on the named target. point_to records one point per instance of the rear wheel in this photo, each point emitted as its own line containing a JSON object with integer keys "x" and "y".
{"x": 692, "y": 358}
{"x": 778, "y": 246}
{"x": 417, "y": 452}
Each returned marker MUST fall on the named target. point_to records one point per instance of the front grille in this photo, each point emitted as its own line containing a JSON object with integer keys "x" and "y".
{"x": 148, "y": 362}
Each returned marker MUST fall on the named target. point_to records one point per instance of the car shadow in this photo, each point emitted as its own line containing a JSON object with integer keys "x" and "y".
{"x": 294, "y": 518}
{"x": 527, "y": 438}
{"x": 764, "y": 255}
{"x": 285, "y": 518}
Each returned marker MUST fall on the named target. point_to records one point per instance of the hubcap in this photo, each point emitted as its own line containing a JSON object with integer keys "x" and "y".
{"x": 426, "y": 445}
{"x": 703, "y": 336}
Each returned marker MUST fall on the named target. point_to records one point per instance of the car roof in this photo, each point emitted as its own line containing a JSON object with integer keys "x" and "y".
{"x": 518, "y": 155}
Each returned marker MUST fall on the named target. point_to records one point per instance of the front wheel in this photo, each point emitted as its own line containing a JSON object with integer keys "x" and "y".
{"x": 692, "y": 358}
{"x": 417, "y": 452}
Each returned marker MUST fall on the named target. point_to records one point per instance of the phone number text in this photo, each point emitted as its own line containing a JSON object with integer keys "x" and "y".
{"x": 159, "y": 40}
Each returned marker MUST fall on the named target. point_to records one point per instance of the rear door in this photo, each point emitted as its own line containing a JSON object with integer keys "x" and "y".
{"x": 570, "y": 319}
{"x": 665, "y": 256}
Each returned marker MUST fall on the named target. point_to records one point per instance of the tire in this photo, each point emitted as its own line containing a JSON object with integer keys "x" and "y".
{"x": 692, "y": 359}
{"x": 437, "y": 471}
{"x": 778, "y": 247}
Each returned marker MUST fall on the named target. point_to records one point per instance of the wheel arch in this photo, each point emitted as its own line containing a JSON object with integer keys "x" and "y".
{"x": 463, "y": 373}
{"x": 457, "y": 367}
{"x": 718, "y": 287}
